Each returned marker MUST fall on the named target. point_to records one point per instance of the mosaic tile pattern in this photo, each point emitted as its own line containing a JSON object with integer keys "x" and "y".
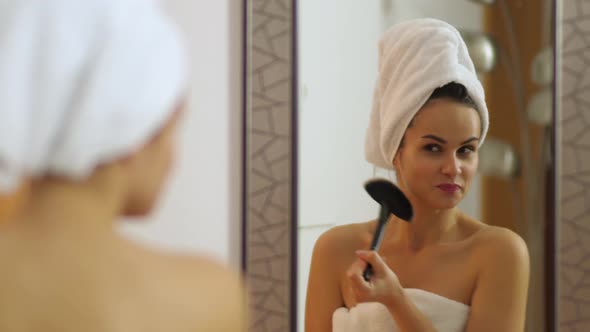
{"x": 268, "y": 224}
{"x": 574, "y": 241}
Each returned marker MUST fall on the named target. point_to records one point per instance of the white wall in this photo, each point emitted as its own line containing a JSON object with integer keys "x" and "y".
{"x": 337, "y": 72}
{"x": 200, "y": 209}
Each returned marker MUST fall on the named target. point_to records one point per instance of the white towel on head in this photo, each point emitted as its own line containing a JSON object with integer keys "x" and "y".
{"x": 415, "y": 58}
{"x": 82, "y": 83}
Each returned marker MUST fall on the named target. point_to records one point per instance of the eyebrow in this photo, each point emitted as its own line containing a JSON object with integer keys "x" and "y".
{"x": 438, "y": 139}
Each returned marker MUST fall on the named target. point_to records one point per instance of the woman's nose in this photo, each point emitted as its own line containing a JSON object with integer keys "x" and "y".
{"x": 451, "y": 166}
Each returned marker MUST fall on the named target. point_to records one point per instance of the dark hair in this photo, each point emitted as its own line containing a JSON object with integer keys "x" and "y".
{"x": 456, "y": 92}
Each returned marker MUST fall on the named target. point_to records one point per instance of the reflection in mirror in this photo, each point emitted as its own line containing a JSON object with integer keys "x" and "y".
{"x": 511, "y": 44}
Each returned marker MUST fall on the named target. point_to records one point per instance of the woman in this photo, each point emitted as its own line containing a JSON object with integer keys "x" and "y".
{"x": 443, "y": 271}
{"x": 91, "y": 93}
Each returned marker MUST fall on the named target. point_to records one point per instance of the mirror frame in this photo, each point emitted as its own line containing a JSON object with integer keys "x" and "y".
{"x": 269, "y": 188}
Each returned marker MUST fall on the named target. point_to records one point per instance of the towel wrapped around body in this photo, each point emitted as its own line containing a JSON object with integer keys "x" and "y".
{"x": 445, "y": 314}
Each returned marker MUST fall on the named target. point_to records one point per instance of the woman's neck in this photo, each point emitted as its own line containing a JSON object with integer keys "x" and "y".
{"x": 56, "y": 207}
{"x": 427, "y": 227}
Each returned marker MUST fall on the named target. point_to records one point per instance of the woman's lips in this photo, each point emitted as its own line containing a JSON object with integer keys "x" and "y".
{"x": 449, "y": 187}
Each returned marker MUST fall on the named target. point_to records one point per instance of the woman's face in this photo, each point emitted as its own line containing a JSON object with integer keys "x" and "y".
{"x": 438, "y": 157}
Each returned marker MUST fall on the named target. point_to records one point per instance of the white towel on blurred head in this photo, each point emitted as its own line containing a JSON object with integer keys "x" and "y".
{"x": 415, "y": 58}
{"x": 82, "y": 83}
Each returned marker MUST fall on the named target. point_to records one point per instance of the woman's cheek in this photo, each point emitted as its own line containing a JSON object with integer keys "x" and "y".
{"x": 471, "y": 167}
{"x": 427, "y": 164}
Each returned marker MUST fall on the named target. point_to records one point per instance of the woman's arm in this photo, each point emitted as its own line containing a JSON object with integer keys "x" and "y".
{"x": 499, "y": 300}
{"x": 323, "y": 287}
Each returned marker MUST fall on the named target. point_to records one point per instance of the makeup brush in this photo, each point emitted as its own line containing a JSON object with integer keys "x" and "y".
{"x": 392, "y": 201}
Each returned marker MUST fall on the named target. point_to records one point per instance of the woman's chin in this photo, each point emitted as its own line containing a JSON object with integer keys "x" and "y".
{"x": 445, "y": 203}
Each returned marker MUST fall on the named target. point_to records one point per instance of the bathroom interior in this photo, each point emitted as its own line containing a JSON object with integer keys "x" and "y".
{"x": 311, "y": 68}
{"x": 271, "y": 77}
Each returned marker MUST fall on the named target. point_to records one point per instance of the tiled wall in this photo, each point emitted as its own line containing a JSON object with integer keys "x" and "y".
{"x": 574, "y": 122}
{"x": 269, "y": 221}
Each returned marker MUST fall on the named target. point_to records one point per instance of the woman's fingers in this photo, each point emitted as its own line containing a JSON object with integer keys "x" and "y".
{"x": 355, "y": 278}
{"x": 373, "y": 258}
{"x": 355, "y": 270}
{"x": 359, "y": 286}
{"x": 383, "y": 285}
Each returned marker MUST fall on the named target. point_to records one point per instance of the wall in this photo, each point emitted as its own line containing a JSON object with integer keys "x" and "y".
{"x": 574, "y": 172}
{"x": 200, "y": 210}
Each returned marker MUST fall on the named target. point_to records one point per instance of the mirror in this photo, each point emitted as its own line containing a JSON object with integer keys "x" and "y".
{"x": 511, "y": 44}
{"x": 310, "y": 73}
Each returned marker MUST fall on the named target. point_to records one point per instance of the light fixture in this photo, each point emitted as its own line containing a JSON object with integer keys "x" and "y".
{"x": 540, "y": 107}
{"x": 542, "y": 67}
{"x": 498, "y": 158}
{"x": 482, "y": 50}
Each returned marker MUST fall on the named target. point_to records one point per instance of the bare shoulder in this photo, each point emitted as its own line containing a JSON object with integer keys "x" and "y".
{"x": 205, "y": 294}
{"x": 486, "y": 240}
{"x": 334, "y": 250}
{"x": 214, "y": 291}
{"x": 500, "y": 243}
{"x": 332, "y": 254}
{"x": 343, "y": 239}
{"x": 192, "y": 269}
{"x": 499, "y": 300}
{"x": 497, "y": 248}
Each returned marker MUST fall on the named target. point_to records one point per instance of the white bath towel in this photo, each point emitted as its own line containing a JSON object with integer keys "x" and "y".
{"x": 445, "y": 314}
{"x": 82, "y": 83}
{"x": 415, "y": 58}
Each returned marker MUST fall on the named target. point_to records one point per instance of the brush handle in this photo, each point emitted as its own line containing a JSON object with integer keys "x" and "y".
{"x": 377, "y": 237}
{"x": 368, "y": 273}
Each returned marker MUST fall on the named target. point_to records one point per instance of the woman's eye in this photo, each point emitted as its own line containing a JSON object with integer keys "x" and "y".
{"x": 466, "y": 149}
{"x": 433, "y": 148}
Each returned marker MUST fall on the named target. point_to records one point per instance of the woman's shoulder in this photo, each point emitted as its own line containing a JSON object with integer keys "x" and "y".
{"x": 197, "y": 272}
{"x": 497, "y": 244}
{"x": 491, "y": 236}
{"x": 191, "y": 284}
{"x": 484, "y": 236}
{"x": 334, "y": 250}
{"x": 201, "y": 280}
{"x": 344, "y": 237}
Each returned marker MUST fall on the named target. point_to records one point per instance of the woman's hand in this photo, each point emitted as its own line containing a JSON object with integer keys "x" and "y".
{"x": 383, "y": 287}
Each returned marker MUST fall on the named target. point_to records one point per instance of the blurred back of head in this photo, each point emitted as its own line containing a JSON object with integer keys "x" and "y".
{"x": 83, "y": 84}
